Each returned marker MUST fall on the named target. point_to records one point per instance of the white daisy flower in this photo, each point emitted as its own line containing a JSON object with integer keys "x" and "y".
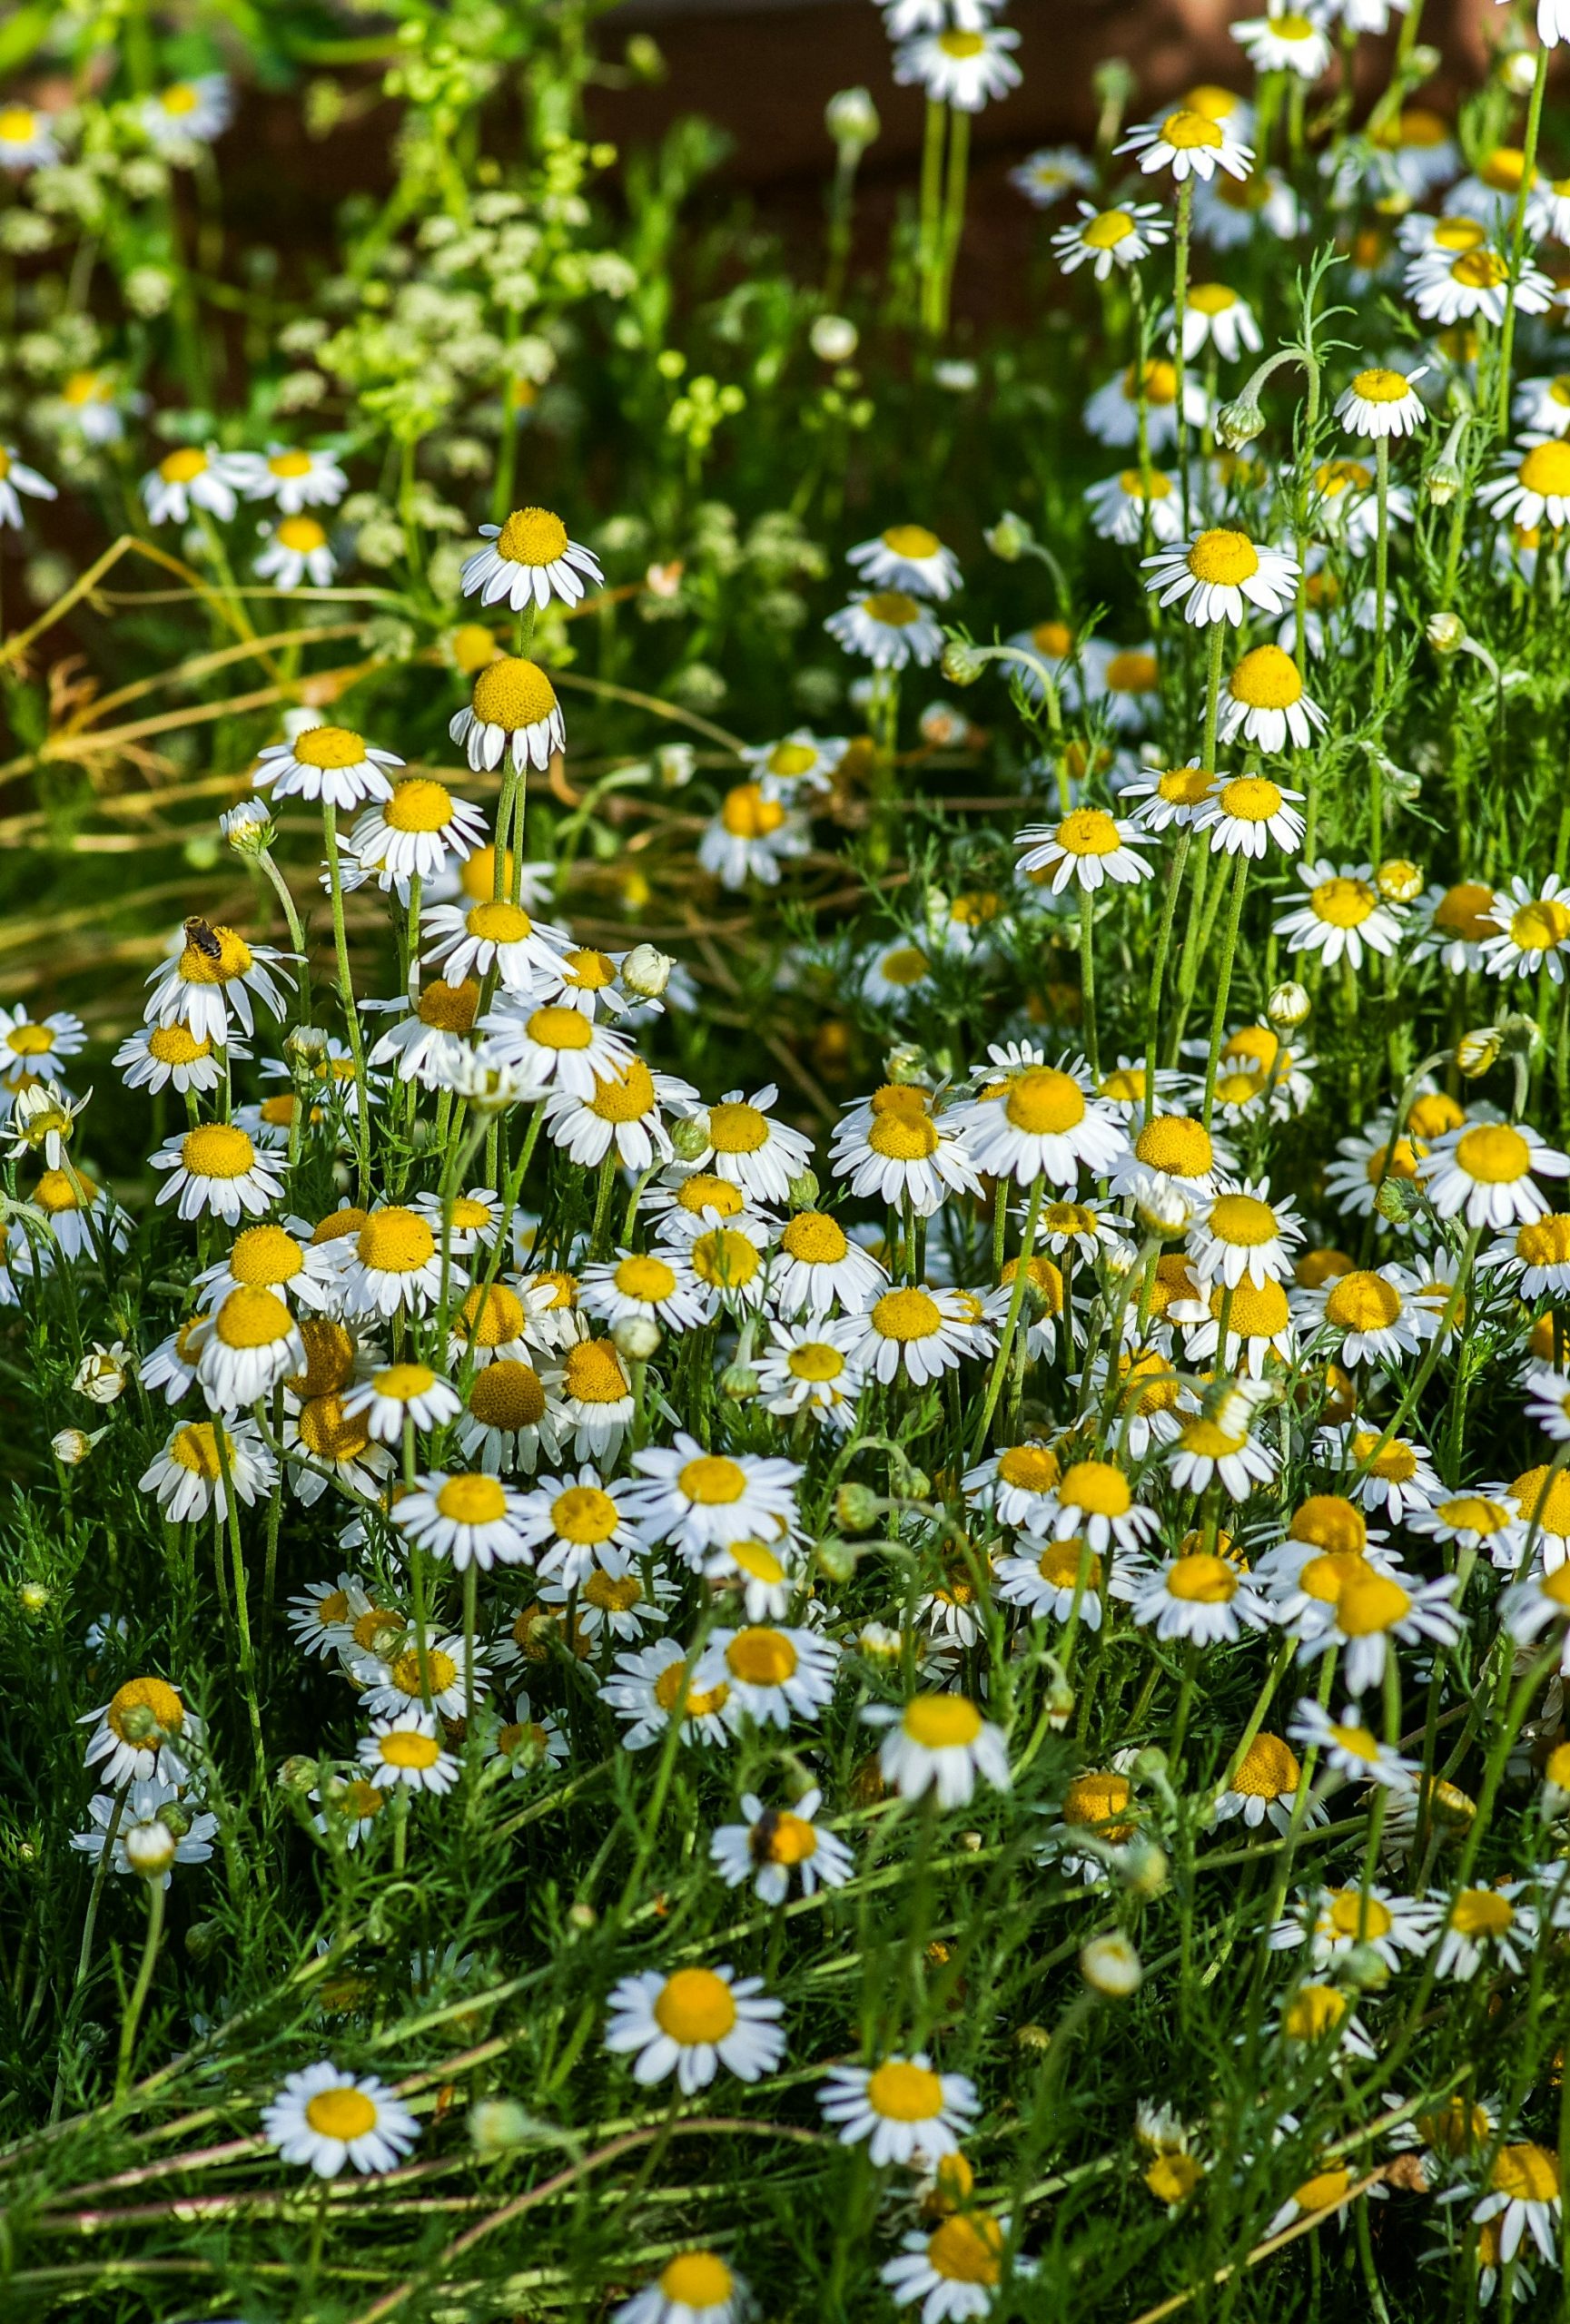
{"x": 1459, "y": 920}
{"x": 1107, "y": 237}
{"x": 888, "y": 628}
{"x": 902, "y": 2110}
{"x": 772, "y": 1673}
{"x": 1383, "y": 402}
{"x": 1046, "y": 1578}
{"x": 16, "y": 475}
{"x": 1374, "y": 1315}
{"x": 331, "y": 764}
{"x": 775, "y": 1842}
{"x": 801, "y": 762}
{"x": 955, "y": 2269}
{"x": 555, "y": 1046}
{"x": 1122, "y": 682}
{"x": 187, "y": 113}
{"x": 817, "y": 1269}
{"x": 470, "y": 1519}
{"x": 1484, "y": 1172}
{"x": 141, "y": 1735}
{"x": 295, "y": 479}
{"x": 395, "y": 1265}
{"x": 216, "y": 1169}
{"x": 750, "y": 837}
{"x": 1112, "y": 415}
{"x": 142, "y": 1809}
{"x": 1215, "y": 316}
{"x": 919, "y": 1330}
{"x": 907, "y": 557}
{"x": 511, "y": 1421}
{"x": 1121, "y": 506}
{"x": 245, "y": 1346}
{"x": 1285, "y": 41}
{"x": 1219, "y": 575}
{"x": 692, "y": 2023}
{"x": 192, "y": 477}
{"x": 646, "y": 1688}
{"x": 597, "y": 1399}
{"x": 1243, "y": 1234}
{"x": 1485, "y": 1927}
{"x": 1229, "y": 211}
{"x": 199, "y": 985}
{"x": 27, "y": 140}
{"x": 696, "y": 1500}
{"x": 1264, "y": 1787}
{"x": 1087, "y": 847}
{"x": 1200, "y": 1599}
{"x": 470, "y": 940}
{"x": 898, "y": 1147}
{"x": 512, "y": 712}
{"x": 408, "y": 1750}
{"x": 530, "y": 560}
{"x": 938, "y": 1743}
{"x": 1170, "y": 797}
{"x": 750, "y": 1148}
{"x": 402, "y": 1395}
{"x": 1474, "y": 286}
{"x": 1191, "y": 144}
{"x": 693, "y": 2287}
{"x": 810, "y": 1368}
{"x": 1046, "y": 176}
{"x": 1542, "y": 407}
{"x": 1350, "y": 1749}
{"x": 156, "y": 1056}
{"x": 1244, "y": 813}
{"x": 1343, "y": 914}
{"x": 1264, "y": 702}
{"x": 326, "y": 2119}
{"x": 413, "y": 834}
{"x": 296, "y": 551}
{"x": 896, "y": 975}
{"x": 1032, "y": 1119}
{"x": 960, "y": 68}
{"x": 1534, "y": 486}
{"x": 569, "y": 1525}
{"x": 427, "y": 1043}
{"x": 1525, "y": 2190}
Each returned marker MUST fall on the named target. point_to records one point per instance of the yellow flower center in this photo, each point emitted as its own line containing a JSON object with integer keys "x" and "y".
{"x": 152, "y": 1695}
{"x": 725, "y": 1259}
{"x": 904, "y": 1137}
{"x": 711, "y": 1481}
{"x": 961, "y": 44}
{"x": 343, "y": 2113}
{"x": 1107, "y": 229}
{"x": 1183, "y": 786}
{"x": 1174, "y": 1144}
{"x": 701, "y": 1703}
{"x": 449, "y": 1007}
{"x": 491, "y": 1318}
{"x": 625, "y": 1095}
{"x": 1266, "y": 679}
{"x": 594, "y": 1374}
{"x": 902, "y": 2092}
{"x": 1053, "y": 639}
{"x": 1324, "y": 2189}
{"x": 816, "y": 1360}
{"x": 1492, "y": 1154}
{"x": 940, "y": 1722}
{"x": 217, "y": 1150}
{"x": 814, "y": 1239}
{"x": 508, "y": 1396}
{"x": 440, "y": 1668}
{"x": 1541, "y": 926}
{"x": 906, "y": 965}
{"x": 911, "y": 541}
{"x": 695, "y": 2007}
{"x": 892, "y": 607}
{"x": 1527, "y": 2174}
{"x": 1380, "y": 386}
{"x": 1362, "y": 1302}
{"x": 613, "y": 1594}
{"x": 1096, "y": 1487}
{"x": 405, "y": 1746}
{"x": 329, "y": 747}
{"x": 1186, "y": 132}
{"x": 16, "y": 124}
{"x": 1088, "y": 831}
{"x": 736, "y": 1128}
{"x": 906, "y": 1316}
{"x": 532, "y": 537}
{"x": 1242, "y": 1220}
{"x": 1095, "y": 1799}
{"x": 472, "y": 1501}
{"x": 418, "y": 805}
{"x": 329, "y": 1358}
{"x": 1223, "y": 557}
{"x": 1250, "y": 799}
{"x": 513, "y": 694}
{"x": 756, "y": 1560}
{"x": 761, "y": 1658}
{"x": 1034, "y": 1468}
{"x": 789, "y": 761}
{"x": 1129, "y": 672}
{"x": 328, "y": 1433}
{"x": 1479, "y": 270}
{"x": 1212, "y": 298}
{"x": 182, "y": 466}
{"x": 1342, "y": 903}
{"x": 745, "y": 813}
{"x": 1202, "y": 1580}
{"x": 289, "y": 464}
{"x": 1481, "y": 1912}
{"x": 252, "y": 1317}
{"x": 497, "y": 922}
{"x": 696, "y": 2280}
{"x": 1545, "y": 1505}
{"x": 1268, "y": 1771}
{"x": 640, "y": 1278}
{"x": 1313, "y": 2012}
{"x": 396, "y": 1241}
{"x": 585, "y": 1515}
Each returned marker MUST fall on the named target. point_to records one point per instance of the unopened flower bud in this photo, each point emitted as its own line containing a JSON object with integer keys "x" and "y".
{"x": 1443, "y": 482}
{"x": 1110, "y": 1967}
{"x": 1445, "y": 633}
{"x": 837, "y": 1560}
{"x": 1519, "y": 1035}
{"x": 637, "y": 1337}
{"x": 963, "y": 662}
{"x": 138, "y": 1724}
{"x": 690, "y": 1137}
{"x": 1393, "y": 1203}
{"x": 1477, "y": 1053}
{"x": 499, "y": 2124}
{"x": 738, "y": 1381}
{"x": 906, "y": 1062}
{"x": 202, "y": 1939}
{"x": 851, "y": 120}
{"x": 1423, "y": 63}
{"x": 150, "y": 1850}
{"x": 1517, "y": 70}
{"x": 582, "y": 1915}
{"x": 857, "y": 1508}
{"x": 1009, "y": 538}
{"x": 645, "y": 971}
{"x": 802, "y": 1193}
{"x": 1398, "y": 881}
{"x": 1033, "y": 2037}
{"x": 72, "y": 1446}
{"x": 1144, "y": 1869}
{"x": 175, "y": 1818}
{"x": 305, "y": 1045}
{"x": 33, "y": 1597}
{"x": 834, "y": 338}
{"x": 298, "y": 1773}
{"x": 1361, "y": 1966}
{"x": 248, "y": 828}
{"x": 1289, "y": 1007}
{"x": 1238, "y": 422}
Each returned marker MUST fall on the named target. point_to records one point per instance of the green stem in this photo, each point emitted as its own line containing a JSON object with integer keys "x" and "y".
{"x": 137, "y": 2002}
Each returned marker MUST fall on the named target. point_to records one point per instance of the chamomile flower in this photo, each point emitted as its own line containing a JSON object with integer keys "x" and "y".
{"x": 775, "y": 1842}
{"x": 1350, "y": 1749}
{"x": 938, "y": 1743}
{"x": 752, "y": 1150}
{"x": 1459, "y": 922}
{"x": 896, "y": 975}
{"x": 695, "y": 2287}
{"x": 1122, "y": 682}
{"x": 1473, "y": 285}
{"x": 1121, "y": 506}
{"x": 1264, "y": 702}
{"x": 1321, "y": 2017}
{"x": 1170, "y": 797}
{"x": 156, "y": 1056}
{"x": 395, "y": 1265}
{"x": 1539, "y": 1602}
{"x": 527, "y": 561}
{"x": 141, "y": 1734}
{"x": 408, "y": 1750}
{"x": 27, "y": 140}
{"x": 1107, "y": 237}
{"x": 696, "y": 1500}
{"x": 470, "y": 1519}
{"x": 1342, "y": 916}
{"x": 199, "y": 986}
{"x": 216, "y": 1169}
{"x": 16, "y": 475}
{"x": 401, "y": 1395}
{"x": 1191, "y": 144}
{"x": 513, "y": 713}
{"x": 1229, "y": 211}
{"x": 441, "y": 1677}
{"x": 1383, "y": 402}
{"x": 917, "y": 1330}
{"x": 960, "y": 68}
{"x": 903, "y": 2109}
{"x": 1542, "y": 407}
{"x": 1285, "y": 41}
{"x": 331, "y": 763}
{"x": 1216, "y": 316}
{"x": 750, "y": 837}
{"x": 325, "y": 2118}
{"x": 427, "y": 1043}
{"x": 1112, "y": 415}
{"x": 800, "y": 764}
{"x": 1086, "y": 848}
{"x": 1244, "y": 1234}
{"x": 1547, "y": 1395}
{"x": 692, "y": 2023}
{"x": 555, "y": 1046}
{"x": 810, "y": 1369}
{"x": 327, "y": 1447}
{"x": 569, "y": 1524}
{"x": 1200, "y": 1599}
{"x": 1371, "y": 1315}
{"x": 296, "y": 551}
{"x": 888, "y": 628}
{"x": 653, "y": 1686}
{"x": 899, "y": 1148}
{"x": 295, "y": 479}
{"x": 1485, "y": 1927}
{"x": 1045, "y": 177}
{"x": 414, "y": 833}
{"x": 772, "y": 1673}
{"x": 1244, "y": 813}
{"x": 1524, "y": 2197}
{"x": 1534, "y": 487}
{"x": 139, "y": 1810}
{"x": 907, "y": 558}
{"x": 470, "y": 940}
{"x": 1221, "y": 575}
{"x": 1264, "y": 1786}
{"x": 247, "y": 1343}
{"x": 1046, "y": 1579}
{"x": 817, "y": 1269}
{"x": 1484, "y": 1174}
{"x": 187, "y": 113}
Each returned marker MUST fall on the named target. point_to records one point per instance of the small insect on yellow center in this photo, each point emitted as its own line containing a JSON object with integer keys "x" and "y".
{"x": 532, "y": 537}
{"x": 745, "y": 813}
{"x": 695, "y": 2279}
{"x": 396, "y": 1241}
{"x": 343, "y": 2114}
{"x": 1224, "y": 558}
{"x": 913, "y": 542}
{"x": 182, "y": 466}
{"x": 152, "y": 1695}
{"x": 217, "y": 1150}
{"x": 1492, "y": 1154}
{"x": 1266, "y": 679}
{"x": 695, "y": 2007}
{"x": 514, "y": 694}
{"x": 1186, "y": 132}
{"x": 252, "y": 1317}
{"x": 419, "y": 804}
{"x": 711, "y": 1481}
{"x": 892, "y": 607}
{"x": 1107, "y": 229}
{"x": 906, "y": 1316}
{"x": 814, "y": 1239}
{"x": 761, "y": 1658}
{"x": 1478, "y": 270}
{"x": 940, "y": 1722}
